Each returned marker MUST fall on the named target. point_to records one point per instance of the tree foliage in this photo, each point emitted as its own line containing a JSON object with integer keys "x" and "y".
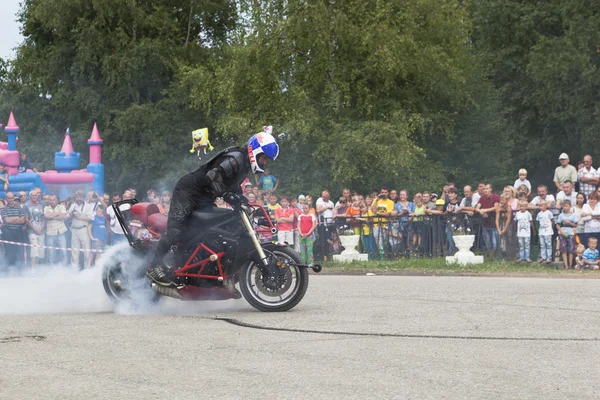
{"x": 371, "y": 92}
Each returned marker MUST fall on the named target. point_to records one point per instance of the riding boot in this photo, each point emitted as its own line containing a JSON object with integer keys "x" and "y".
{"x": 161, "y": 270}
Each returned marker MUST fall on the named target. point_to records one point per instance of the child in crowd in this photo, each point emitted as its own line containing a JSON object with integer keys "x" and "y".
{"x": 97, "y": 232}
{"x": 307, "y": 223}
{"x": 417, "y": 222}
{"x": 524, "y": 229}
{"x": 353, "y": 211}
{"x": 523, "y": 181}
{"x": 565, "y": 224}
{"x": 368, "y": 240}
{"x": 579, "y": 264}
{"x": 546, "y": 221}
{"x": 591, "y": 257}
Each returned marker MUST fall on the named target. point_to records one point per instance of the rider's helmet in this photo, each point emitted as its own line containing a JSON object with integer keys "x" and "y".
{"x": 261, "y": 143}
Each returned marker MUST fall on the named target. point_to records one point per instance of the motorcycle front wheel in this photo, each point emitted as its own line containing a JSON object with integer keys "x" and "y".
{"x": 280, "y": 294}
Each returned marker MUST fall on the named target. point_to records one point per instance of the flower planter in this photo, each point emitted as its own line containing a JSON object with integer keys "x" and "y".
{"x": 350, "y": 242}
{"x": 464, "y": 255}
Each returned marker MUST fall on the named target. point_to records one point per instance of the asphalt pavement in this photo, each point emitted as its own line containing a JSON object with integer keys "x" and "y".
{"x": 352, "y": 337}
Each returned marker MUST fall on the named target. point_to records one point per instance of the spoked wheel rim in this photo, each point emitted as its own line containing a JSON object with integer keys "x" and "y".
{"x": 274, "y": 294}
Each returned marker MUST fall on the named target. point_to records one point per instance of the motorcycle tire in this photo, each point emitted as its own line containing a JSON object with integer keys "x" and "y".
{"x": 133, "y": 287}
{"x": 245, "y": 276}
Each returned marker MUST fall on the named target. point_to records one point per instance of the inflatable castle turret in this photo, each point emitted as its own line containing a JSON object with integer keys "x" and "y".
{"x": 95, "y": 166}
{"x": 66, "y": 178}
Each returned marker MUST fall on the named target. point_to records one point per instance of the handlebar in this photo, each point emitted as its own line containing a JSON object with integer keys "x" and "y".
{"x": 234, "y": 200}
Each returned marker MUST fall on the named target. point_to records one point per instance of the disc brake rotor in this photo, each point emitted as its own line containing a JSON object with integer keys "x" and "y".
{"x": 273, "y": 285}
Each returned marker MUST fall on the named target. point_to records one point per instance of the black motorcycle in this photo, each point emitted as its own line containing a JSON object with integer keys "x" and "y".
{"x": 220, "y": 244}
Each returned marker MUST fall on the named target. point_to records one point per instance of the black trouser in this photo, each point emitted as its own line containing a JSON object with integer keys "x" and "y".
{"x": 184, "y": 201}
{"x": 12, "y": 250}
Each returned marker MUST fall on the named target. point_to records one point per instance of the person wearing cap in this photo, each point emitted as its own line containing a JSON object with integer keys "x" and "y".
{"x": 301, "y": 200}
{"x": 566, "y": 172}
{"x": 81, "y": 214}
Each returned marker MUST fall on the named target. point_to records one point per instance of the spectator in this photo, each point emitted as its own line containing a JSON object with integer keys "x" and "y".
{"x": 381, "y": 207}
{"x": 486, "y": 207}
{"x": 503, "y": 225}
{"x": 451, "y": 211}
{"x": 546, "y": 220}
{"x": 4, "y": 177}
{"x": 117, "y": 235}
{"x": 220, "y": 203}
{"x": 429, "y": 205}
{"x": 97, "y": 232}
{"x": 417, "y": 221}
{"x": 591, "y": 255}
{"x": 591, "y": 215}
{"x": 469, "y": 202}
{"x": 285, "y": 216}
{"x": 524, "y": 229}
{"x": 542, "y": 191}
{"x": 301, "y": 201}
{"x": 566, "y": 224}
{"x": 25, "y": 164}
{"x": 251, "y": 198}
{"x": 106, "y": 199}
{"x": 55, "y": 215}
{"x": 354, "y": 211}
{"x": 480, "y": 190}
{"x": 579, "y": 264}
{"x": 394, "y": 196}
{"x": 307, "y": 223}
{"x": 165, "y": 201}
{"x": 294, "y": 207}
{"x": 80, "y": 214}
{"x": 588, "y": 176}
{"x": 154, "y": 198}
{"x": 132, "y": 193}
{"x": 511, "y": 197}
{"x": 94, "y": 200}
{"x": 45, "y": 199}
{"x": 325, "y": 208}
{"x": 267, "y": 181}
{"x": 368, "y": 240}
{"x": 523, "y": 181}
{"x": 404, "y": 209}
{"x": 341, "y": 207}
{"x": 273, "y": 205}
{"x": 247, "y": 188}
{"x": 578, "y": 210}
{"x": 567, "y": 193}
{"x": 566, "y": 172}
{"x": 13, "y": 218}
{"x": 345, "y": 194}
{"x": 524, "y": 190}
{"x": 34, "y": 219}
{"x": 309, "y": 201}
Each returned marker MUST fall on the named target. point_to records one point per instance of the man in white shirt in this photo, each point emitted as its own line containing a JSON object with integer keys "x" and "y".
{"x": 116, "y": 232}
{"x": 81, "y": 214}
{"x": 469, "y": 202}
{"x": 542, "y": 191}
{"x": 588, "y": 177}
{"x": 325, "y": 208}
{"x": 566, "y": 194}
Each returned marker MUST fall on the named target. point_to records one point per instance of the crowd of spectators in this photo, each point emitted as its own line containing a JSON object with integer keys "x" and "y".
{"x": 70, "y": 227}
{"x": 513, "y": 223}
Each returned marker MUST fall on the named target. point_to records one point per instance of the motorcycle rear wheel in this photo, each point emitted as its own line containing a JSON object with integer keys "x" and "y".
{"x": 127, "y": 285}
{"x": 294, "y": 288}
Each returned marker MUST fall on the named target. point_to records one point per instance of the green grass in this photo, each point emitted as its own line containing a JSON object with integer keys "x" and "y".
{"x": 439, "y": 266}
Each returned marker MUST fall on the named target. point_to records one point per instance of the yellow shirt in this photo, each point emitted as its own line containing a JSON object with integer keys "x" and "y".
{"x": 386, "y": 205}
{"x": 366, "y": 227}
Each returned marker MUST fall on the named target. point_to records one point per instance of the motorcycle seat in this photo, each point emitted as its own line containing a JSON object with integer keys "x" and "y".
{"x": 142, "y": 211}
{"x": 157, "y": 222}
{"x": 211, "y": 215}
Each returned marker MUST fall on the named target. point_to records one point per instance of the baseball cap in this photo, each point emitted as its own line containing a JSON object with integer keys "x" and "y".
{"x": 301, "y": 197}
{"x": 563, "y": 156}
{"x": 440, "y": 202}
{"x": 248, "y": 184}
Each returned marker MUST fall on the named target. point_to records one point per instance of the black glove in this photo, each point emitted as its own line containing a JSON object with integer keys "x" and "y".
{"x": 216, "y": 182}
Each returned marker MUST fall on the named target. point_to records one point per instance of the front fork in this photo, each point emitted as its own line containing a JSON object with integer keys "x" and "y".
{"x": 254, "y": 236}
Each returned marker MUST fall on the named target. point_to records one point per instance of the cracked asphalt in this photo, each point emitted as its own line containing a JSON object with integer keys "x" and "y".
{"x": 352, "y": 337}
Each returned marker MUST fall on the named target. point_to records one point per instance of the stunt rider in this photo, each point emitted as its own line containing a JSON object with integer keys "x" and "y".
{"x": 199, "y": 189}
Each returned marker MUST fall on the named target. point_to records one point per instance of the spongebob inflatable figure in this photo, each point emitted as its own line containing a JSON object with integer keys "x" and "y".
{"x": 200, "y": 141}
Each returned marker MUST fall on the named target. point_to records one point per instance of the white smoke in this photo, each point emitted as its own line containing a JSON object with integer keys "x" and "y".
{"x": 61, "y": 289}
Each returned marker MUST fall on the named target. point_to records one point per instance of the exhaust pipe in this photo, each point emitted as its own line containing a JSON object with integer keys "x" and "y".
{"x": 166, "y": 291}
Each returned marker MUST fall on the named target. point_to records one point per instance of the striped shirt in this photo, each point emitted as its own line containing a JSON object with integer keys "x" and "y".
{"x": 587, "y": 188}
{"x": 15, "y": 211}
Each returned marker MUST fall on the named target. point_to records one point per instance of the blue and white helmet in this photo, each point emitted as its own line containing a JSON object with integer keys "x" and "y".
{"x": 261, "y": 143}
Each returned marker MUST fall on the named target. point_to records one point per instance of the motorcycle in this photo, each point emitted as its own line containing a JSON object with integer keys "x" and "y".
{"x": 220, "y": 244}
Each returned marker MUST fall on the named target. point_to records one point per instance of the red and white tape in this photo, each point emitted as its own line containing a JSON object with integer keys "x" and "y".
{"x": 50, "y": 247}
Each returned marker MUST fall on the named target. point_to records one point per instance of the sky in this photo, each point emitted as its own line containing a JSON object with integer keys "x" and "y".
{"x": 9, "y": 28}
